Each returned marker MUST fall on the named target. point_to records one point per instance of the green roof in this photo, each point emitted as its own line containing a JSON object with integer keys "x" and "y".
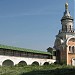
{"x": 23, "y": 49}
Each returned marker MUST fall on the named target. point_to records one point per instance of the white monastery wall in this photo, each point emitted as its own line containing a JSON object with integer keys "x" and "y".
{"x": 28, "y": 60}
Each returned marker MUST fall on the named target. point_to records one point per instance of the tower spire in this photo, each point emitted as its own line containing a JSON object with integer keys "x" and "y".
{"x": 67, "y": 20}
{"x": 66, "y": 13}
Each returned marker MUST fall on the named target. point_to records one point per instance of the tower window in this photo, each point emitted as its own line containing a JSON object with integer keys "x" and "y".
{"x": 66, "y": 28}
{"x": 62, "y": 28}
{"x": 70, "y": 27}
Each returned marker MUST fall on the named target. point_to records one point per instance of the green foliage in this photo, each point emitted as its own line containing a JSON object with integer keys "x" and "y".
{"x": 37, "y": 70}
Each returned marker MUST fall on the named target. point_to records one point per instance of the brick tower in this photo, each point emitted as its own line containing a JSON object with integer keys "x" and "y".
{"x": 65, "y": 40}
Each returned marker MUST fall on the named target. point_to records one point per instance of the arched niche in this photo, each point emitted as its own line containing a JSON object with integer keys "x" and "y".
{"x": 46, "y": 63}
{"x": 73, "y": 61}
{"x": 35, "y": 63}
{"x": 71, "y": 41}
{"x": 8, "y": 63}
{"x": 22, "y": 63}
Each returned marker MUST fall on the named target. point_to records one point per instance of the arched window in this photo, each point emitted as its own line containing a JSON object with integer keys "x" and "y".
{"x": 70, "y": 48}
{"x": 73, "y": 49}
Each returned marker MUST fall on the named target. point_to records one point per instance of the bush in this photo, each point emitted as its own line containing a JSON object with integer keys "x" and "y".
{"x": 37, "y": 70}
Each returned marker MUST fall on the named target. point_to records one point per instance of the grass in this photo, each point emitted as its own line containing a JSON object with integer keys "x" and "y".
{"x": 38, "y": 70}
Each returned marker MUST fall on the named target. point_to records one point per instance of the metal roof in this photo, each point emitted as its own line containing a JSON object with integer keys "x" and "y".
{"x": 23, "y": 49}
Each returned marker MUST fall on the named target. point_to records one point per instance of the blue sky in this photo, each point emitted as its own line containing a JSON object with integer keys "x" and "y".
{"x": 31, "y": 24}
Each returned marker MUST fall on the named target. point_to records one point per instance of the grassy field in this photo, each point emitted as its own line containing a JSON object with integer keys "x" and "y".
{"x": 38, "y": 70}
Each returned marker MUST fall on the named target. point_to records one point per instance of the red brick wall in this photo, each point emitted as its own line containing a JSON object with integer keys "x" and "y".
{"x": 71, "y": 42}
{"x": 70, "y": 56}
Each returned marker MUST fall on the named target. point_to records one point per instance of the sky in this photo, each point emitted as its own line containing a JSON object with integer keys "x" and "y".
{"x": 31, "y": 24}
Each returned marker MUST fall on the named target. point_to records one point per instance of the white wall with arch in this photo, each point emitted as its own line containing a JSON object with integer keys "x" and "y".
{"x": 16, "y": 60}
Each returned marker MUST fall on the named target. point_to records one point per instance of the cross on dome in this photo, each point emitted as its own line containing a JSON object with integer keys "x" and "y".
{"x": 66, "y": 13}
{"x": 66, "y": 5}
